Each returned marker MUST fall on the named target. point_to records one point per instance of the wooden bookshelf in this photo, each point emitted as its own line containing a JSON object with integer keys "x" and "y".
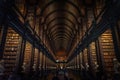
{"x": 93, "y": 52}
{"x": 108, "y": 51}
{"x": 27, "y": 57}
{"x": 11, "y": 50}
{"x": 85, "y": 56}
{"x": 93, "y": 56}
{"x": 80, "y": 61}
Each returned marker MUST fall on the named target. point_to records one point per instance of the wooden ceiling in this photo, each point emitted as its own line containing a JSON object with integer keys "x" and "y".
{"x": 60, "y": 22}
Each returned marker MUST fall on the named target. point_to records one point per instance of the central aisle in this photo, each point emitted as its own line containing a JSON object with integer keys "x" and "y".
{"x": 69, "y": 74}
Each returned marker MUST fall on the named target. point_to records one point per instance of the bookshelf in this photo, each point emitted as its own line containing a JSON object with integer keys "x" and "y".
{"x": 11, "y": 50}
{"x": 107, "y": 51}
{"x": 93, "y": 55}
{"x": 27, "y": 57}
{"x": 85, "y": 56}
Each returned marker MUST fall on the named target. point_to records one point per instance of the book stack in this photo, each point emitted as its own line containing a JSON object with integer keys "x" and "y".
{"x": 11, "y": 50}
{"x": 108, "y": 51}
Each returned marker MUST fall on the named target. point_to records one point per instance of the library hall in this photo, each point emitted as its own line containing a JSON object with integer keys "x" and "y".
{"x": 59, "y": 39}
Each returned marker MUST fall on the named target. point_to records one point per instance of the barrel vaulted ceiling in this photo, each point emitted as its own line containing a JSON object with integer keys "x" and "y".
{"x": 61, "y": 19}
{"x": 60, "y": 22}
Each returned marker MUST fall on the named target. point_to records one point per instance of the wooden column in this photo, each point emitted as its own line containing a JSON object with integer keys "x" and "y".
{"x": 90, "y": 63}
{"x": 38, "y": 62}
{"x": 79, "y": 60}
{"x": 42, "y": 59}
{"x": 20, "y": 58}
{"x": 32, "y": 58}
{"x": 3, "y": 40}
{"x": 78, "y": 65}
{"x": 74, "y": 63}
{"x": 100, "y": 61}
{"x": 83, "y": 60}
{"x": 2, "y": 11}
{"x": 116, "y": 39}
{"x": 75, "y": 59}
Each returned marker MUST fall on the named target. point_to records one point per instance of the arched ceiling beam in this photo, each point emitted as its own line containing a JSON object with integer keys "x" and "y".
{"x": 60, "y": 39}
{"x": 63, "y": 26}
{"x": 59, "y": 11}
{"x": 60, "y": 19}
{"x": 73, "y": 30}
{"x": 60, "y": 43}
{"x": 60, "y": 28}
{"x": 54, "y": 1}
{"x": 57, "y": 38}
{"x": 60, "y": 34}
